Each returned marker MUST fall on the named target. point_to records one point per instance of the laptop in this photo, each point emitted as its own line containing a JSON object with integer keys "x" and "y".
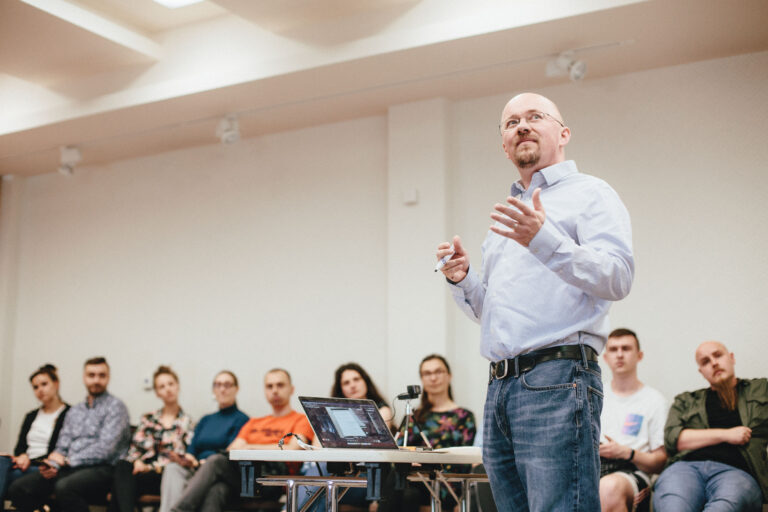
{"x": 347, "y": 423}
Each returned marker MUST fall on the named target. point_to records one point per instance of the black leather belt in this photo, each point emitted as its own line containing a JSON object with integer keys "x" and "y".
{"x": 526, "y": 362}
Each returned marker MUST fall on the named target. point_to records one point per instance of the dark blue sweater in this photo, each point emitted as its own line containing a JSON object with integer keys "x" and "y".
{"x": 216, "y": 431}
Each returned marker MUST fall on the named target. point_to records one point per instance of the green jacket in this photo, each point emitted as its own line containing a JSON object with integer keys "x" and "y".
{"x": 689, "y": 411}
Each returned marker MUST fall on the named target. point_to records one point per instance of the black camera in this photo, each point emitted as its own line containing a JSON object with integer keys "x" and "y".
{"x": 412, "y": 392}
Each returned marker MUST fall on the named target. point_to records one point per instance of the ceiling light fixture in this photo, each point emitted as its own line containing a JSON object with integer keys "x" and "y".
{"x": 70, "y": 156}
{"x": 228, "y": 130}
{"x": 566, "y": 64}
{"x": 173, "y": 4}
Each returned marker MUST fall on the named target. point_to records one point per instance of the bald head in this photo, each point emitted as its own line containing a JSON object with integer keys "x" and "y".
{"x": 531, "y": 100}
{"x": 533, "y": 134}
{"x": 709, "y": 346}
{"x": 716, "y": 364}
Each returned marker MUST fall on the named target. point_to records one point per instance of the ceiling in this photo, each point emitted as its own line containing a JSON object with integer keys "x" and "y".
{"x": 125, "y": 78}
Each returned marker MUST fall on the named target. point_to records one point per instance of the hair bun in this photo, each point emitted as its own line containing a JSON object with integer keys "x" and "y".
{"x": 48, "y": 367}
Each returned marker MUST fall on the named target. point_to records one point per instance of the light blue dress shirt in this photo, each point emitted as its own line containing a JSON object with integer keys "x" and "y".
{"x": 558, "y": 290}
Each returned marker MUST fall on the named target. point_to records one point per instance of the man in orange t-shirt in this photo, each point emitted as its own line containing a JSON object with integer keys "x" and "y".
{"x": 218, "y": 479}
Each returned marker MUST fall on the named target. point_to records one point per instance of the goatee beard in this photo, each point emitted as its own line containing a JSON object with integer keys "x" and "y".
{"x": 527, "y": 159}
{"x": 726, "y": 392}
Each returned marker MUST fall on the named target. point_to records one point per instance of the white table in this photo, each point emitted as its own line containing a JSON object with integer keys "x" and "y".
{"x": 372, "y": 459}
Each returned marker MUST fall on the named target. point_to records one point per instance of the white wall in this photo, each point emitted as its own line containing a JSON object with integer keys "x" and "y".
{"x": 275, "y": 251}
{"x": 266, "y": 253}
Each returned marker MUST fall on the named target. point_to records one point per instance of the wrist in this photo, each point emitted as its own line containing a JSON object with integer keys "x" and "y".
{"x": 631, "y": 455}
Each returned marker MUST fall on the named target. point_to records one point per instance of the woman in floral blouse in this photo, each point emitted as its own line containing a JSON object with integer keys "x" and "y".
{"x": 439, "y": 421}
{"x": 167, "y": 430}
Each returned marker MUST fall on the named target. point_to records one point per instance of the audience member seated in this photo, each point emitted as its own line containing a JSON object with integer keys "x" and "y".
{"x": 716, "y": 438}
{"x": 441, "y": 422}
{"x": 350, "y": 381}
{"x": 40, "y": 429}
{"x": 218, "y": 479}
{"x": 167, "y": 430}
{"x": 213, "y": 434}
{"x": 95, "y": 435}
{"x": 632, "y": 424}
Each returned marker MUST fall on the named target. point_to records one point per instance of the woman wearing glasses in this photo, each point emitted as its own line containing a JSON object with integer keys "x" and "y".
{"x": 438, "y": 417}
{"x": 438, "y": 422}
{"x": 214, "y": 432}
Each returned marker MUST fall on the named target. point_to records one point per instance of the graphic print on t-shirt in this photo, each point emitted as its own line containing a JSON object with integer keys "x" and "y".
{"x": 632, "y": 424}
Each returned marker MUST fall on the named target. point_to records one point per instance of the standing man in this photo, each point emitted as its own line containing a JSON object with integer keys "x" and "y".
{"x": 632, "y": 423}
{"x": 559, "y": 253}
{"x": 716, "y": 438}
{"x": 219, "y": 478}
{"x": 95, "y": 435}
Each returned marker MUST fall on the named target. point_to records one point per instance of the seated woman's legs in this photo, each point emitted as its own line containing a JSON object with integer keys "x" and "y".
{"x": 174, "y": 479}
{"x": 217, "y": 468}
{"x": 30, "y": 492}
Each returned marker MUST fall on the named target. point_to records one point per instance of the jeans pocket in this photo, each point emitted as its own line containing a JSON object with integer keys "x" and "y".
{"x": 550, "y": 376}
{"x": 595, "y": 404}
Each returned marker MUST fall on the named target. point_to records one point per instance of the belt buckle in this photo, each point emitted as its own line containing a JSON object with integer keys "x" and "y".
{"x": 503, "y": 363}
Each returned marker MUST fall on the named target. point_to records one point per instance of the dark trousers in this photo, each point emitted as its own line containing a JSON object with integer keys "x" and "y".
{"x": 74, "y": 489}
{"x": 127, "y": 487}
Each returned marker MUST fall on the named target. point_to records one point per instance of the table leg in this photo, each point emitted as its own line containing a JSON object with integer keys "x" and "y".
{"x": 290, "y": 496}
{"x": 247, "y": 479}
{"x": 331, "y": 503}
{"x": 466, "y": 496}
{"x": 374, "y": 474}
{"x": 437, "y": 505}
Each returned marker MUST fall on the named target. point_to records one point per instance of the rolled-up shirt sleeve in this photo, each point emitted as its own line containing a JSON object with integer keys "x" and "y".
{"x": 674, "y": 426}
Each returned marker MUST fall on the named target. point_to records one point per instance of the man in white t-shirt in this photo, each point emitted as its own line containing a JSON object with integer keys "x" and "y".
{"x": 632, "y": 424}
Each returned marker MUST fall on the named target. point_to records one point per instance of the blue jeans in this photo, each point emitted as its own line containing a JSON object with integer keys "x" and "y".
{"x": 693, "y": 486}
{"x": 541, "y": 438}
{"x": 8, "y": 474}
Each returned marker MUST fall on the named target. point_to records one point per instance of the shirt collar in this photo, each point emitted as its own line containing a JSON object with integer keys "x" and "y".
{"x": 549, "y": 175}
{"x": 97, "y": 400}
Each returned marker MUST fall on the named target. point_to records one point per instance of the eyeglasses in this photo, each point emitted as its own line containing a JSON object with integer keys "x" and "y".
{"x": 437, "y": 373}
{"x": 531, "y": 118}
{"x": 225, "y": 385}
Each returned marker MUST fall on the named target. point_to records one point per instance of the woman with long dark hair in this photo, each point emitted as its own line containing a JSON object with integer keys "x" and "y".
{"x": 352, "y": 381}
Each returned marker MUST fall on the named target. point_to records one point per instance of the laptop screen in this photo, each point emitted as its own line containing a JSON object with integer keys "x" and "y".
{"x": 347, "y": 423}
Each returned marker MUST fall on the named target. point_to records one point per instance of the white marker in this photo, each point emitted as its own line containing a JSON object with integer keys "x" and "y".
{"x": 445, "y": 259}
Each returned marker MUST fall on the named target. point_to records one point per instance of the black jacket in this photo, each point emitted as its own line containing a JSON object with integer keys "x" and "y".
{"x": 21, "y": 444}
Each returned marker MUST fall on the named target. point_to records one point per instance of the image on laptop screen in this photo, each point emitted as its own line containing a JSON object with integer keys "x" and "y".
{"x": 347, "y": 423}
